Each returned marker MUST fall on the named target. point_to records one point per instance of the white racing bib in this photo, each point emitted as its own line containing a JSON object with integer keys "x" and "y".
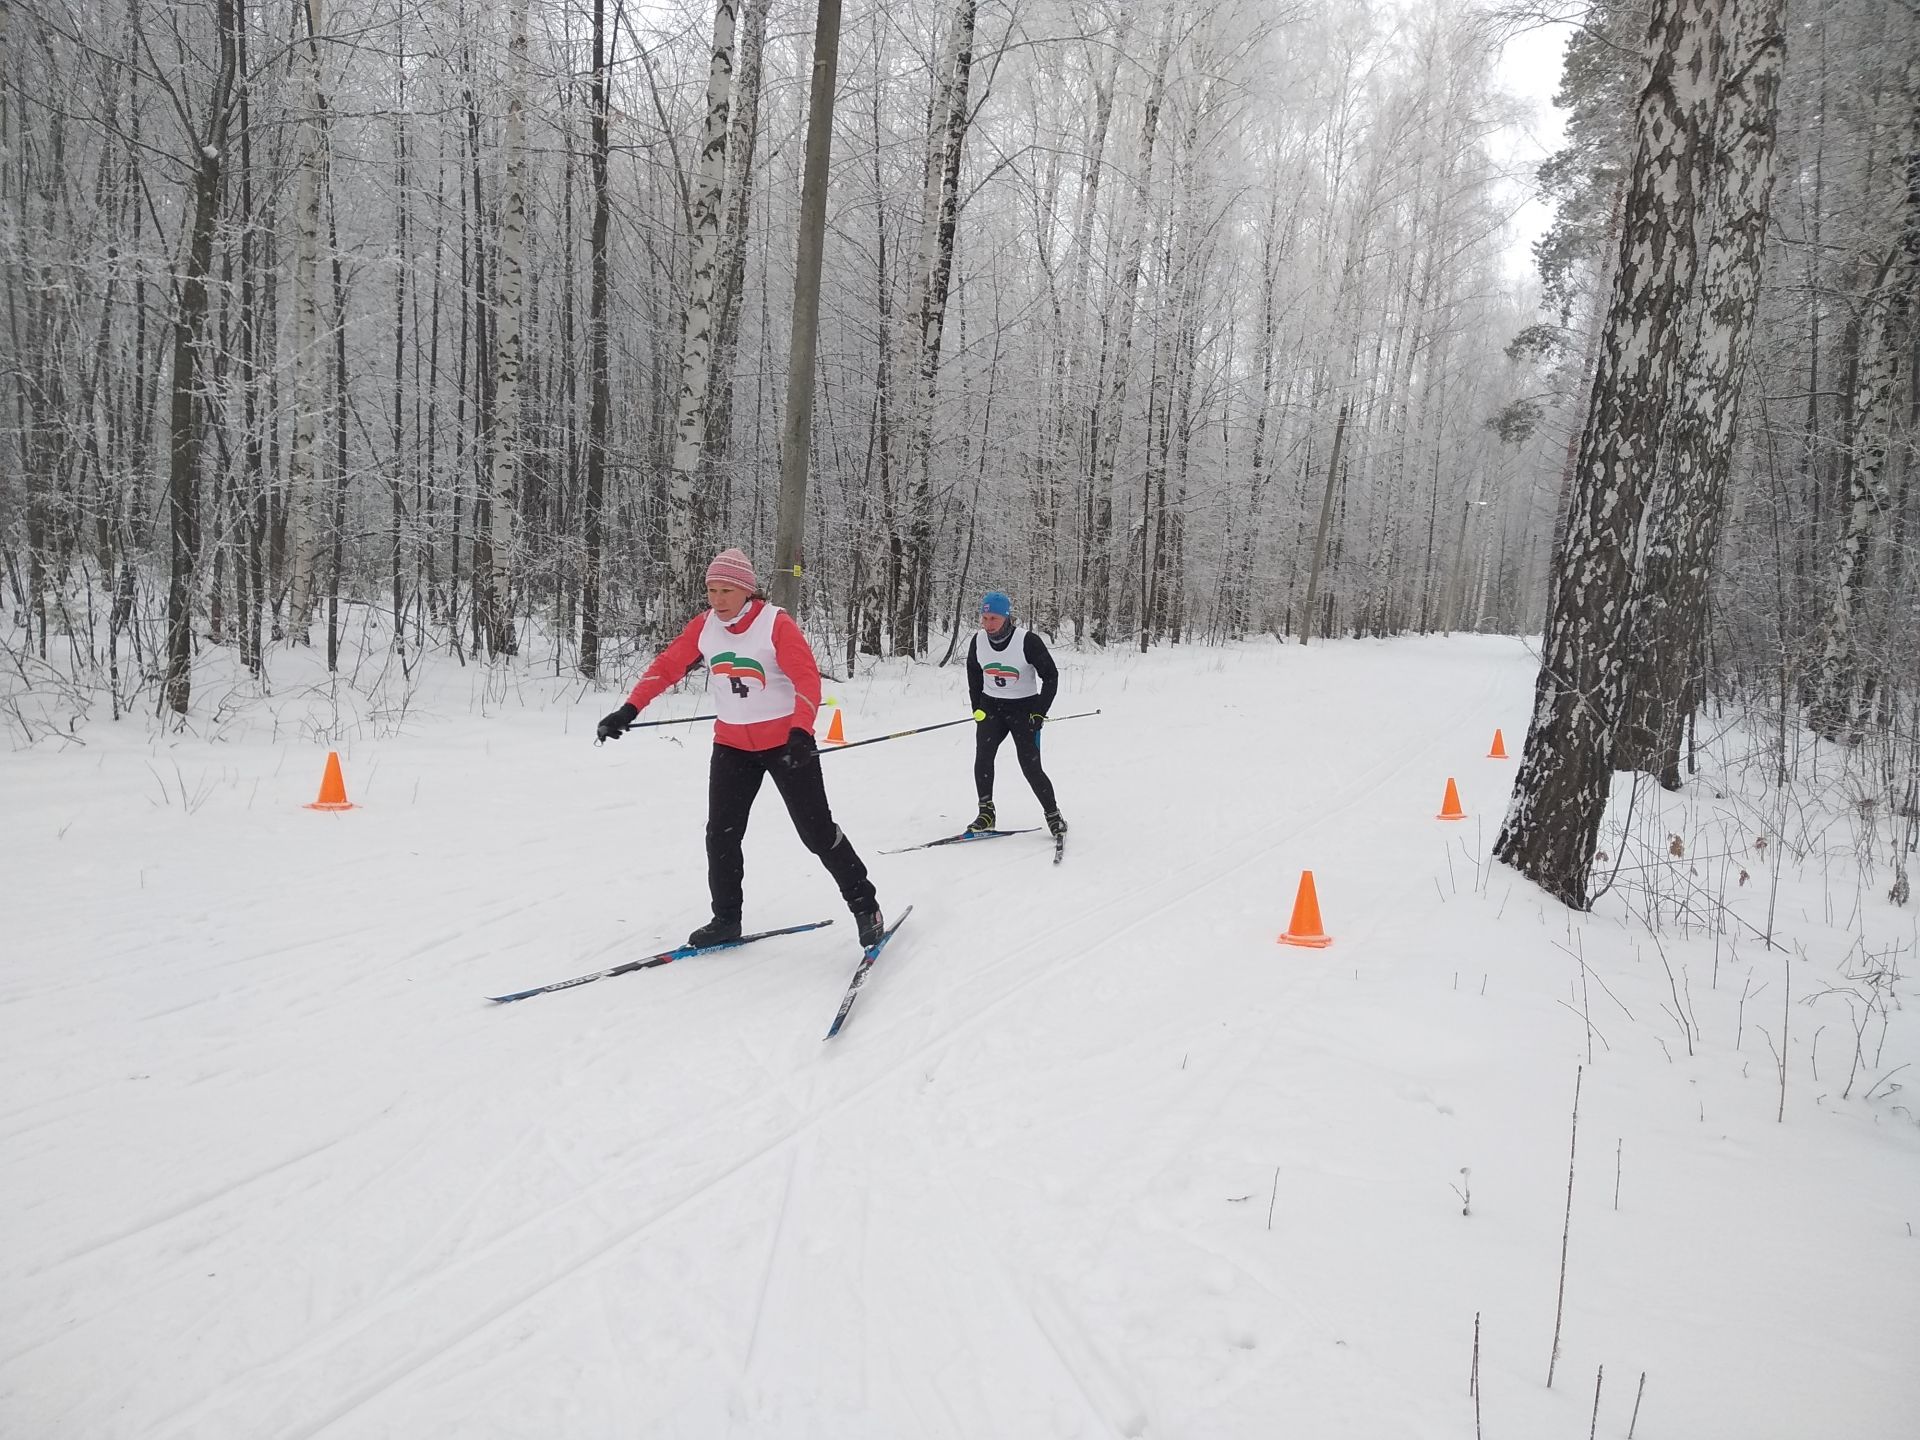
{"x": 745, "y": 678}
{"x": 1005, "y": 674}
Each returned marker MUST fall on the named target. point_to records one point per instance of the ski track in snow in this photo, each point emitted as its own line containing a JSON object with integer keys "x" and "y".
{"x": 808, "y": 1175}
{"x": 1177, "y": 887}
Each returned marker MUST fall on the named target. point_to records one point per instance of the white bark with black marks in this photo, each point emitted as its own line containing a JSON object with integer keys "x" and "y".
{"x": 686, "y": 515}
{"x": 504, "y": 461}
{"x": 1560, "y": 794}
{"x": 309, "y": 360}
{"x": 1836, "y": 708}
{"x": 1684, "y": 528}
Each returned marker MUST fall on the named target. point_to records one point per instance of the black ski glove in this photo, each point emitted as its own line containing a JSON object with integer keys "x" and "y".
{"x": 800, "y": 750}
{"x": 1036, "y": 720}
{"x": 615, "y": 725}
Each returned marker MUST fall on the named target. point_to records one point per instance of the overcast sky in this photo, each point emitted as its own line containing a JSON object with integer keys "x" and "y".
{"x": 1530, "y": 68}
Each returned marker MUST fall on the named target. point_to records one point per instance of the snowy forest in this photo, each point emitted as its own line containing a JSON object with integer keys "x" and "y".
{"x": 1439, "y": 476}
{"x": 471, "y": 329}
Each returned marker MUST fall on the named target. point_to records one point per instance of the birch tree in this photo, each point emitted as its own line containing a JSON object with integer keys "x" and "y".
{"x": 1553, "y": 821}
{"x": 1884, "y": 355}
{"x": 690, "y": 510}
{"x": 1684, "y": 529}
{"x": 926, "y": 313}
{"x": 599, "y": 380}
{"x": 309, "y": 360}
{"x": 495, "y": 556}
{"x": 1108, "y": 414}
{"x": 731, "y": 267}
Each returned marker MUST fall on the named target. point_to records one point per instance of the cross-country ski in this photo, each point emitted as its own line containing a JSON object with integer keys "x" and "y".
{"x": 664, "y": 957}
{"x": 861, "y": 972}
{"x": 965, "y": 837}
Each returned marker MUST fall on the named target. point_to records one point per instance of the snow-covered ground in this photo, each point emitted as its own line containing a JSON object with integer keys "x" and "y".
{"x": 1094, "y": 1157}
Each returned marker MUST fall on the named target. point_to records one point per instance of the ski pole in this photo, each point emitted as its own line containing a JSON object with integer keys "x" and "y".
{"x": 902, "y": 734}
{"x": 898, "y": 735}
{"x": 649, "y": 724}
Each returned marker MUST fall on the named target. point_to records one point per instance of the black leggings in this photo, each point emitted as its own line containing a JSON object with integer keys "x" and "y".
{"x": 732, "y": 783}
{"x": 1002, "y": 721}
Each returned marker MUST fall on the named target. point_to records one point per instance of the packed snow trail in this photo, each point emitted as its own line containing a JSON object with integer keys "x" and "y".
{"x": 1098, "y": 1158}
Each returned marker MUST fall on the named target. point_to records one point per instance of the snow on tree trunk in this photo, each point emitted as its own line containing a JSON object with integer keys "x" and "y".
{"x": 303, "y": 532}
{"x": 1070, "y": 364}
{"x": 1684, "y": 528}
{"x": 690, "y": 521}
{"x": 731, "y": 268}
{"x": 600, "y": 394}
{"x": 1238, "y": 599}
{"x": 927, "y": 314}
{"x": 1097, "y": 558}
{"x": 1552, "y": 824}
{"x": 504, "y": 460}
{"x": 1835, "y": 710}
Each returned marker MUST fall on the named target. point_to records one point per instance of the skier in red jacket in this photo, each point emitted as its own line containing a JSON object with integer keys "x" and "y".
{"x": 766, "y": 688}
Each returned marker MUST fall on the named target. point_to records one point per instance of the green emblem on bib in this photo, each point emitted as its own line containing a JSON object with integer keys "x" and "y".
{"x": 739, "y": 672}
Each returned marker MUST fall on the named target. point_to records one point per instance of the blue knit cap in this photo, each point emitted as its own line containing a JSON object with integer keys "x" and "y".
{"x": 995, "y": 602}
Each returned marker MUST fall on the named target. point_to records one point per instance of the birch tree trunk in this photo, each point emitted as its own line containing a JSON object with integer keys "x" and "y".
{"x": 1241, "y": 589}
{"x": 1070, "y": 364}
{"x": 509, "y": 280}
{"x": 1552, "y": 824}
{"x": 1589, "y": 361}
{"x": 690, "y": 512}
{"x": 927, "y": 312}
{"x": 1684, "y": 529}
{"x": 309, "y": 364}
{"x": 1097, "y": 556}
{"x": 599, "y": 390}
{"x": 1835, "y": 711}
{"x": 731, "y": 270}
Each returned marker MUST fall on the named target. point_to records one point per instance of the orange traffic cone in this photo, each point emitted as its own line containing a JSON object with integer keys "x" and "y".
{"x": 836, "y": 732}
{"x": 1499, "y": 750}
{"x": 333, "y": 787}
{"x": 1304, "y": 928}
{"x": 1450, "y": 807}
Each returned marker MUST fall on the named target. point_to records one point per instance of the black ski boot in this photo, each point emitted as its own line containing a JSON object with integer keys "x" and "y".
{"x": 984, "y": 820}
{"x": 716, "y": 931}
{"x": 872, "y": 926}
{"x": 1056, "y": 825}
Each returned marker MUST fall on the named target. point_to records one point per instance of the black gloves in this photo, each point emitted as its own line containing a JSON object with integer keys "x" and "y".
{"x": 615, "y": 725}
{"x": 1036, "y": 720}
{"x": 800, "y": 750}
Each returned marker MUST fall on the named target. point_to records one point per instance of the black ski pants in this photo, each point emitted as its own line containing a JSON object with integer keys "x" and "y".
{"x": 1004, "y": 718}
{"x": 732, "y": 783}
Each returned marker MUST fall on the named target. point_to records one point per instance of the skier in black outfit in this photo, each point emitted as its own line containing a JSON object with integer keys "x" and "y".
{"x": 1012, "y": 680}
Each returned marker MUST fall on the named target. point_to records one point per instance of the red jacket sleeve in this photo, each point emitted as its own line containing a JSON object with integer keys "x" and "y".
{"x": 790, "y": 648}
{"x": 671, "y": 665}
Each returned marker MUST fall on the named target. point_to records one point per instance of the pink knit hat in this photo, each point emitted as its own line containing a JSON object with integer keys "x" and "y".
{"x": 731, "y": 567}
